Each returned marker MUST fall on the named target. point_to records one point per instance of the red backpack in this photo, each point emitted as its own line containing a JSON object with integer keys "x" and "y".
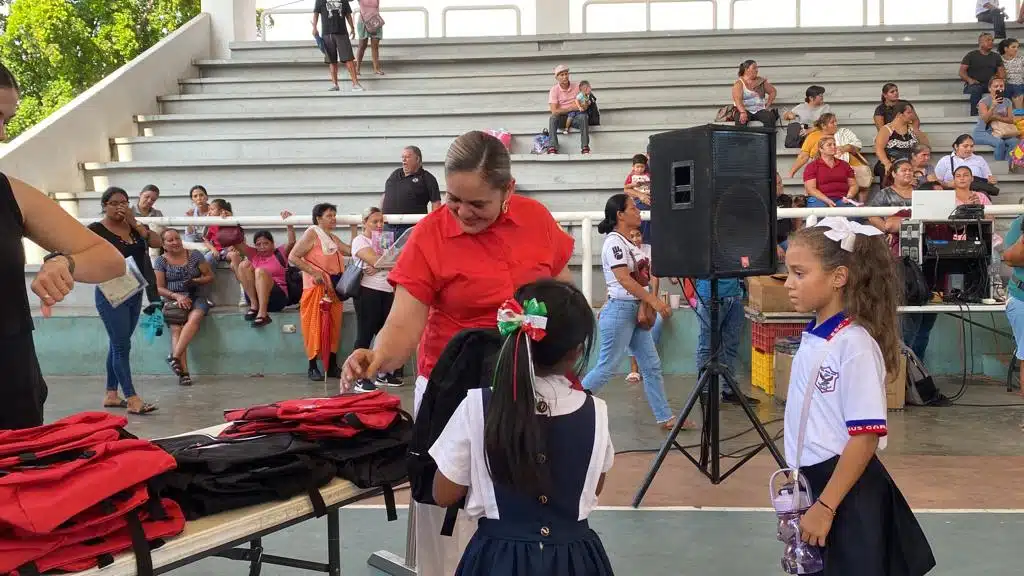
{"x": 317, "y": 418}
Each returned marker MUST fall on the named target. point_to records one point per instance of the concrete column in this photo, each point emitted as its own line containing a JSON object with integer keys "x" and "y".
{"x": 552, "y": 17}
{"x": 230, "y": 21}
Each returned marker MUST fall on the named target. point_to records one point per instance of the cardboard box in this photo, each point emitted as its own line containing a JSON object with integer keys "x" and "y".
{"x": 895, "y": 384}
{"x": 783, "y": 366}
{"x": 896, "y": 387}
{"x": 769, "y": 294}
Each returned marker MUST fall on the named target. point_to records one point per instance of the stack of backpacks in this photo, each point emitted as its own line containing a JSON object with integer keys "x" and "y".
{"x": 76, "y": 492}
{"x": 284, "y": 449}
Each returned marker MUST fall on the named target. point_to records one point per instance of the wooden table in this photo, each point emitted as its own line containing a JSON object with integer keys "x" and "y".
{"x": 221, "y": 534}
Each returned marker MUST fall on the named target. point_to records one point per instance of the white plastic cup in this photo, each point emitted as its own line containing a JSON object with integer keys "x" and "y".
{"x": 674, "y": 300}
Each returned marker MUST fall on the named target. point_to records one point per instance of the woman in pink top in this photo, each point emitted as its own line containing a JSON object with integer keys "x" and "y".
{"x": 262, "y": 274}
{"x": 369, "y": 11}
{"x": 962, "y": 179}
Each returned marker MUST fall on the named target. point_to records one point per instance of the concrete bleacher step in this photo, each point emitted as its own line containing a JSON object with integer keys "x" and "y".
{"x": 724, "y": 40}
{"x": 839, "y": 78}
{"x": 635, "y": 98}
{"x": 524, "y": 117}
{"x": 598, "y": 169}
{"x": 434, "y": 143}
{"x": 518, "y": 62}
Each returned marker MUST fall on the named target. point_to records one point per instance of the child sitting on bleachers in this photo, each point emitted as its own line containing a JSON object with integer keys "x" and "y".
{"x": 583, "y": 100}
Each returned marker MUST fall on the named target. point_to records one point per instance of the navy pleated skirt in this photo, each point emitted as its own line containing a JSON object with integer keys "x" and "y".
{"x": 502, "y": 548}
{"x": 874, "y": 532}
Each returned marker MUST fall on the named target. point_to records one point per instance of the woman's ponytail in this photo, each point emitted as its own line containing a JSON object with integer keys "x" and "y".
{"x": 615, "y": 204}
{"x": 604, "y": 226}
{"x": 514, "y": 437}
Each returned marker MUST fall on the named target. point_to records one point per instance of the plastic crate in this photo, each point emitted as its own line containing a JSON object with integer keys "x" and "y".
{"x": 763, "y": 336}
{"x": 762, "y": 370}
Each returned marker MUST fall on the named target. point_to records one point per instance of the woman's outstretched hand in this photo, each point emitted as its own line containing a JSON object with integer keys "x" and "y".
{"x": 360, "y": 364}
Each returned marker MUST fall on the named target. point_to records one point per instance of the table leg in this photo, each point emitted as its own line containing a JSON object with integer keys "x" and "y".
{"x": 255, "y": 557}
{"x": 333, "y": 543}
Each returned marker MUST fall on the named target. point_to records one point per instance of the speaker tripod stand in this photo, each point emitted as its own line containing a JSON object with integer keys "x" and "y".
{"x": 709, "y": 460}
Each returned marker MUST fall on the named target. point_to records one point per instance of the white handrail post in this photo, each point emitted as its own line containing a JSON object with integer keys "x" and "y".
{"x": 587, "y": 272}
{"x": 647, "y": 5}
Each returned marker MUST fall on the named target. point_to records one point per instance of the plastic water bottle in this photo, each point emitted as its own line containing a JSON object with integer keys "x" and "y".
{"x": 798, "y": 557}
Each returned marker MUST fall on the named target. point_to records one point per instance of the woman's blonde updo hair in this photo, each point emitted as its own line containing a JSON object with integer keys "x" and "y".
{"x": 370, "y": 212}
{"x": 480, "y": 152}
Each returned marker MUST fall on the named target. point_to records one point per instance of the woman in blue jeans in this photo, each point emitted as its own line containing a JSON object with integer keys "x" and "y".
{"x": 995, "y": 107}
{"x": 132, "y": 240}
{"x": 627, "y": 271}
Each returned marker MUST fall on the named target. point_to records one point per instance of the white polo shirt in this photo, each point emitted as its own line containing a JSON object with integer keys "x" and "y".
{"x": 618, "y": 252}
{"x": 849, "y": 390}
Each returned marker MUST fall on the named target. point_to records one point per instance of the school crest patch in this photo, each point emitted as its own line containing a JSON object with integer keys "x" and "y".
{"x": 826, "y": 381}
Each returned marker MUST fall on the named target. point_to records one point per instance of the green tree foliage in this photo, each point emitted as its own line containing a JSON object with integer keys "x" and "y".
{"x": 59, "y": 48}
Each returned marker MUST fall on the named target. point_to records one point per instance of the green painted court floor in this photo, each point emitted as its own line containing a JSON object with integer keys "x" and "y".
{"x": 663, "y": 542}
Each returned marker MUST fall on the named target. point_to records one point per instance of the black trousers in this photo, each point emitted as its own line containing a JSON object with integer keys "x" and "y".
{"x": 766, "y": 117}
{"x": 998, "y": 21}
{"x": 372, "y": 309}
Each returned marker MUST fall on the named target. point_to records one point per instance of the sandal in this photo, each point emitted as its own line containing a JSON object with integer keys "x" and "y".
{"x": 184, "y": 380}
{"x": 260, "y": 322}
{"x": 175, "y": 365}
{"x": 146, "y": 408}
{"x": 671, "y": 422}
{"x": 121, "y": 403}
{"x": 633, "y": 378}
{"x": 250, "y": 315}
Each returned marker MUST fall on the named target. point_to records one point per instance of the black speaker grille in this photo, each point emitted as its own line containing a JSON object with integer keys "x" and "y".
{"x": 741, "y": 229}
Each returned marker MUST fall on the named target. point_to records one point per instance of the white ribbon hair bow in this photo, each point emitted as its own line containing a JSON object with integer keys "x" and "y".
{"x": 843, "y": 231}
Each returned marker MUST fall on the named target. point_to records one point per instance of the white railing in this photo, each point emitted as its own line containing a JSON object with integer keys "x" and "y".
{"x": 481, "y": 8}
{"x": 647, "y": 9}
{"x": 269, "y": 12}
{"x": 585, "y": 220}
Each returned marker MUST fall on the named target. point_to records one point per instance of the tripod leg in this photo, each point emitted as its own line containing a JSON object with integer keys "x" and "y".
{"x": 754, "y": 420}
{"x": 670, "y": 440}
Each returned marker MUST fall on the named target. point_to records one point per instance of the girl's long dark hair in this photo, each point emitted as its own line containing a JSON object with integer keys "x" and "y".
{"x": 615, "y": 204}
{"x": 514, "y": 434}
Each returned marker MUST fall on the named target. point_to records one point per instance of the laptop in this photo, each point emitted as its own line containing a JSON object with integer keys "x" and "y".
{"x": 932, "y": 204}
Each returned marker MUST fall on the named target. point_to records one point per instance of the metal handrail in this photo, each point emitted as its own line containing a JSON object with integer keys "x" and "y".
{"x": 472, "y": 8}
{"x": 278, "y": 10}
{"x": 647, "y": 9}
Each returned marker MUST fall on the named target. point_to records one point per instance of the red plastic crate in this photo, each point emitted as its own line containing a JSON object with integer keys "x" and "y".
{"x": 763, "y": 336}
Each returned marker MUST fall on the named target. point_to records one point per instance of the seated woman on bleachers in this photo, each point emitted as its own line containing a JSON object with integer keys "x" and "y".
{"x": 924, "y": 172}
{"x": 263, "y": 274}
{"x": 886, "y": 111}
{"x": 1013, "y": 63}
{"x": 753, "y": 96}
{"x": 828, "y": 181}
{"x": 179, "y": 275}
{"x": 996, "y": 125}
{"x": 827, "y": 125}
{"x": 803, "y": 116}
{"x": 963, "y": 155}
{"x": 895, "y": 140}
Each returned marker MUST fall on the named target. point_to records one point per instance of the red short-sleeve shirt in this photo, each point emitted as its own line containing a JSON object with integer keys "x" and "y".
{"x": 464, "y": 278}
{"x": 833, "y": 181}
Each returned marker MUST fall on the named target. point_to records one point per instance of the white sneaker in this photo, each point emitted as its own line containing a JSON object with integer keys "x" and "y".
{"x": 357, "y": 88}
{"x": 364, "y": 386}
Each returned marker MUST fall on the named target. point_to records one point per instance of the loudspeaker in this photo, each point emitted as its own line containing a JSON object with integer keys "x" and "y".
{"x": 713, "y": 202}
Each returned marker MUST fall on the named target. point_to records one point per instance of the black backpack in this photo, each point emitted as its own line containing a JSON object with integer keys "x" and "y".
{"x": 467, "y": 362}
{"x": 915, "y": 286}
{"x": 593, "y": 112}
{"x": 219, "y": 474}
{"x": 292, "y": 279}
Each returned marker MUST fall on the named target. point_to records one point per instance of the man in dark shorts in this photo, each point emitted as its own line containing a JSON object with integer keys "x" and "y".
{"x": 336, "y": 38}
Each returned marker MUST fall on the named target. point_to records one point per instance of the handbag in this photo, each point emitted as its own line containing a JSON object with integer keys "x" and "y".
{"x": 1002, "y": 129}
{"x": 863, "y": 175}
{"x": 348, "y": 286}
{"x": 174, "y": 315}
{"x": 230, "y": 236}
{"x": 292, "y": 279}
{"x": 372, "y": 23}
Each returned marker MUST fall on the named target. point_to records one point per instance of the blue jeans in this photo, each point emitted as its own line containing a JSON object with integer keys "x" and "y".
{"x": 731, "y": 321}
{"x": 976, "y": 92}
{"x": 620, "y": 333}
{"x": 120, "y": 323}
{"x": 813, "y": 202}
{"x": 917, "y": 328}
{"x": 1002, "y": 145}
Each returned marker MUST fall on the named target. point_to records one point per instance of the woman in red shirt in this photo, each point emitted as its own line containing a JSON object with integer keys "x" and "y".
{"x": 459, "y": 266}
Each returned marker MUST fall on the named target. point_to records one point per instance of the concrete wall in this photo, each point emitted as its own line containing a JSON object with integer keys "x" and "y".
{"x": 226, "y": 344}
{"x": 48, "y": 155}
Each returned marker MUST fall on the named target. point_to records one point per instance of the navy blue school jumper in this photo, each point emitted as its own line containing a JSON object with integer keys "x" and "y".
{"x": 521, "y": 535}
{"x": 874, "y": 531}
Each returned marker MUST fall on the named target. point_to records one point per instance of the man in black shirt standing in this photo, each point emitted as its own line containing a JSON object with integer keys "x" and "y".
{"x": 336, "y": 38}
{"x": 977, "y": 67}
{"x": 409, "y": 190}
